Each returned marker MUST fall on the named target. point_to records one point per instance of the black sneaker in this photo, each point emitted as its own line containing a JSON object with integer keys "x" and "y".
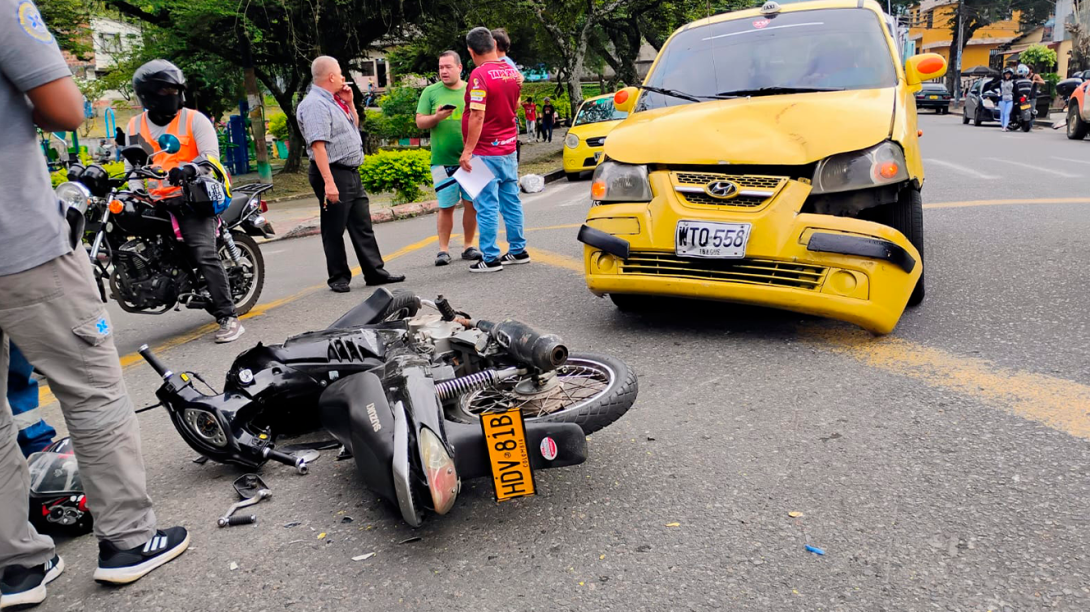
{"x": 472, "y": 254}
{"x": 442, "y": 259}
{"x": 23, "y": 587}
{"x": 486, "y": 266}
{"x": 116, "y": 566}
{"x": 521, "y": 258}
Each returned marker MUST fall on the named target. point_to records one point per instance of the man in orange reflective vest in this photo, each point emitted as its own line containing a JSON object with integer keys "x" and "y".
{"x": 160, "y": 85}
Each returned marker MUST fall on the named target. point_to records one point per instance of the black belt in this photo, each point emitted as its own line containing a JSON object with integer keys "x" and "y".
{"x": 344, "y": 167}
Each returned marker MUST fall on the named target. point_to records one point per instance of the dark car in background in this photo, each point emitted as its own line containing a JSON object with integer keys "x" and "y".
{"x": 982, "y": 102}
{"x": 934, "y": 95}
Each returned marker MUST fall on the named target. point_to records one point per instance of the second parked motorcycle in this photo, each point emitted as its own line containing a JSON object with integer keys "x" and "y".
{"x": 137, "y": 249}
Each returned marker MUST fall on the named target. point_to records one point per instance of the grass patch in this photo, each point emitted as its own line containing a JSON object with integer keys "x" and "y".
{"x": 543, "y": 164}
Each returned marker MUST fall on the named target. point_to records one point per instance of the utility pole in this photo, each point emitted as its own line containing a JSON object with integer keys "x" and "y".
{"x": 960, "y": 45}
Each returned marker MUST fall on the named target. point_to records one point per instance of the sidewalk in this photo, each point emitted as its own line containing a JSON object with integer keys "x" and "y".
{"x": 300, "y": 217}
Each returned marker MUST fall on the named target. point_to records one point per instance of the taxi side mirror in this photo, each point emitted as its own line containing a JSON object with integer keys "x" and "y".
{"x": 625, "y": 99}
{"x": 923, "y": 67}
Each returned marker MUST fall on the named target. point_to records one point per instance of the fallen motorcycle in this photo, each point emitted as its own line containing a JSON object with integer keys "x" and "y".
{"x": 420, "y": 394}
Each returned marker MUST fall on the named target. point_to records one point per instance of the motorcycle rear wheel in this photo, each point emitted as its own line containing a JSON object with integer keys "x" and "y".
{"x": 246, "y": 297}
{"x": 590, "y": 390}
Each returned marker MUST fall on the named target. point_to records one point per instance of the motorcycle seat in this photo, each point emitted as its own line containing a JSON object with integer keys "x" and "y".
{"x": 234, "y": 210}
{"x": 367, "y": 312}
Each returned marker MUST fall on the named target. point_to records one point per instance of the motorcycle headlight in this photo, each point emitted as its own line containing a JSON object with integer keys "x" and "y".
{"x": 883, "y": 164}
{"x": 439, "y": 467}
{"x": 73, "y": 195}
{"x": 206, "y": 426}
{"x": 617, "y": 182}
{"x": 571, "y": 141}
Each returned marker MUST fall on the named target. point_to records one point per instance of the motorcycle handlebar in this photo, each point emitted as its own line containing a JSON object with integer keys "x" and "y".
{"x": 154, "y": 362}
{"x": 287, "y": 459}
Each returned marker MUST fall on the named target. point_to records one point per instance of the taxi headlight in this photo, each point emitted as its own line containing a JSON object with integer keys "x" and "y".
{"x": 617, "y": 182}
{"x": 883, "y": 164}
{"x": 571, "y": 141}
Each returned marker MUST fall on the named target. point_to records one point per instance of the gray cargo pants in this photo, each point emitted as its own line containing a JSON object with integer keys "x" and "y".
{"x": 53, "y": 313}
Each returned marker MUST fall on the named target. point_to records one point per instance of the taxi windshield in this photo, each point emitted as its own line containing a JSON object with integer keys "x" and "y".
{"x": 597, "y": 111}
{"x": 789, "y": 53}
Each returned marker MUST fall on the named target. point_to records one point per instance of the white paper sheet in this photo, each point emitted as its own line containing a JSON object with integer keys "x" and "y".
{"x": 473, "y": 182}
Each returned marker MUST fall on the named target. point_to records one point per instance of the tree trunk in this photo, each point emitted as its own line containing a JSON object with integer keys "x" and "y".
{"x": 952, "y": 73}
{"x": 286, "y": 100}
{"x": 575, "y": 88}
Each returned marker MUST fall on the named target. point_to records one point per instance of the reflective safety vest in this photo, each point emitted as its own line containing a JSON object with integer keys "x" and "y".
{"x": 182, "y": 129}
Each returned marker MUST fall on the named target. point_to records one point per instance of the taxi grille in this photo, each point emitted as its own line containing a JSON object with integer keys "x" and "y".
{"x": 596, "y": 141}
{"x": 768, "y": 183}
{"x": 771, "y": 184}
{"x": 748, "y": 271}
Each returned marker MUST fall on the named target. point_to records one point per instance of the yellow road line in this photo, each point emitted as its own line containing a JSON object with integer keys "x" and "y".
{"x": 1007, "y": 202}
{"x": 46, "y": 397}
{"x": 1055, "y": 402}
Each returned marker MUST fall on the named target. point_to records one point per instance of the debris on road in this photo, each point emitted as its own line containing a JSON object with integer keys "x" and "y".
{"x": 795, "y": 514}
{"x": 363, "y": 557}
{"x": 532, "y": 183}
{"x": 673, "y": 524}
{"x": 234, "y": 566}
{"x": 321, "y": 536}
{"x": 815, "y": 550}
{"x": 292, "y": 524}
{"x": 412, "y": 539}
{"x": 346, "y": 519}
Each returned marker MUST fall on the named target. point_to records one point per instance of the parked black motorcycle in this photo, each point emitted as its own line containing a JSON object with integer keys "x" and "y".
{"x": 421, "y": 400}
{"x": 1024, "y": 110}
{"x": 136, "y": 248}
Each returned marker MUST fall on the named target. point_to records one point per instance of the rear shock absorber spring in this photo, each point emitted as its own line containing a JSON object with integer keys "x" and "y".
{"x": 450, "y": 389}
{"x": 232, "y": 249}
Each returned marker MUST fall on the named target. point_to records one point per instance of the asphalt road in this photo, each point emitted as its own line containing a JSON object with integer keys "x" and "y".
{"x": 939, "y": 468}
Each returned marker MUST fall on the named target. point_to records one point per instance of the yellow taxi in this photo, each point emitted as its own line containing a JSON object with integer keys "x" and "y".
{"x": 584, "y": 143}
{"x": 771, "y": 157}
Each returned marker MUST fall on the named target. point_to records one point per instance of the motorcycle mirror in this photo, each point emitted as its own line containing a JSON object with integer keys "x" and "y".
{"x": 135, "y": 155}
{"x": 170, "y": 143}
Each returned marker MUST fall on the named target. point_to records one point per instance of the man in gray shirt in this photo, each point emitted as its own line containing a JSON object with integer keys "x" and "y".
{"x": 330, "y": 126}
{"x": 49, "y": 306}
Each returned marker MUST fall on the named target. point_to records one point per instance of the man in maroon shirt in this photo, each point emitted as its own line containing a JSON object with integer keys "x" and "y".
{"x": 491, "y": 132}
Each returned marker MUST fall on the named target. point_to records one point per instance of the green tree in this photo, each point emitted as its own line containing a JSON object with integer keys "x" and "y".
{"x": 67, "y": 20}
{"x": 1040, "y": 57}
{"x": 972, "y": 15}
{"x": 276, "y": 39}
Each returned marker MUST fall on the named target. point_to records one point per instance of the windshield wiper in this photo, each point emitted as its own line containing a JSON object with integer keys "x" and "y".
{"x": 676, "y": 94}
{"x": 775, "y": 91}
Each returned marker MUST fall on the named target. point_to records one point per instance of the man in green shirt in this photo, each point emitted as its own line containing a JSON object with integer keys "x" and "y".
{"x": 440, "y": 110}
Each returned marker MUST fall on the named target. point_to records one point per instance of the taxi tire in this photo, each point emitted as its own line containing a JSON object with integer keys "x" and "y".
{"x": 626, "y": 302}
{"x": 1076, "y": 127}
{"x": 964, "y": 118}
{"x": 906, "y": 216}
{"x": 573, "y": 176}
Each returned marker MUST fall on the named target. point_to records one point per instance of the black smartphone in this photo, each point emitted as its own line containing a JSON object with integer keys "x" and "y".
{"x": 447, "y": 107}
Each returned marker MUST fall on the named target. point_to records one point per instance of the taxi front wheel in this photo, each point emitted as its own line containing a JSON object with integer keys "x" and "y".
{"x": 906, "y": 216}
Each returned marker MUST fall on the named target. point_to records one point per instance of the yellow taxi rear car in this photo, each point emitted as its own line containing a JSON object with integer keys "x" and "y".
{"x": 770, "y": 158}
{"x": 584, "y": 143}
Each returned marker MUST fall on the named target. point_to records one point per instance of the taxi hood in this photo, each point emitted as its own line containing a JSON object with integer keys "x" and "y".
{"x": 791, "y": 129}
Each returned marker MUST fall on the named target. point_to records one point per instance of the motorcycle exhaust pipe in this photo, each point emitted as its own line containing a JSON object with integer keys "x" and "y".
{"x": 542, "y": 351}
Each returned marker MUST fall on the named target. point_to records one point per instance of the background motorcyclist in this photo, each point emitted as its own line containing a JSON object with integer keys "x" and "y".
{"x": 160, "y": 85}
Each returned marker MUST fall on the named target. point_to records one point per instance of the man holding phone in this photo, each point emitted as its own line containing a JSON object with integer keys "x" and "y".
{"x": 330, "y": 125}
{"x": 440, "y": 110}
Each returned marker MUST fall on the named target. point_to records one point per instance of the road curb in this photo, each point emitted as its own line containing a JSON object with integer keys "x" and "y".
{"x": 395, "y": 213}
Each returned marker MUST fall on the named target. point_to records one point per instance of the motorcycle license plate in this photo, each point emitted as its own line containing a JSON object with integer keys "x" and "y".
{"x": 1025, "y": 107}
{"x": 933, "y": 97}
{"x": 707, "y": 240}
{"x": 505, "y": 435}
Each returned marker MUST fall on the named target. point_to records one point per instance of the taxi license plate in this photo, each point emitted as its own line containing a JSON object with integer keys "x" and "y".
{"x": 933, "y": 97}
{"x": 707, "y": 240}
{"x": 1025, "y": 107}
{"x": 505, "y": 435}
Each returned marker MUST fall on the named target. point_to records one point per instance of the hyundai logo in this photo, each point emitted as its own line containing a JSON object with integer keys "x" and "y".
{"x": 723, "y": 190}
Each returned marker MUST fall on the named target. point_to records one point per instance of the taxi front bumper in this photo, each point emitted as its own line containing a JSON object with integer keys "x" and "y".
{"x": 837, "y": 267}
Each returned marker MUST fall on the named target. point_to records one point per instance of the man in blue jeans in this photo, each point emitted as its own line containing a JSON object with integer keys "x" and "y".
{"x": 22, "y": 392}
{"x": 491, "y": 134}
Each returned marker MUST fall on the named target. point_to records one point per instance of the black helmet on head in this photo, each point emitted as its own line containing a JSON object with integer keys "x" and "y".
{"x": 149, "y": 82}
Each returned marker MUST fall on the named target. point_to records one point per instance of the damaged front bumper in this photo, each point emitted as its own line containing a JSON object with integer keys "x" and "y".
{"x": 837, "y": 267}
